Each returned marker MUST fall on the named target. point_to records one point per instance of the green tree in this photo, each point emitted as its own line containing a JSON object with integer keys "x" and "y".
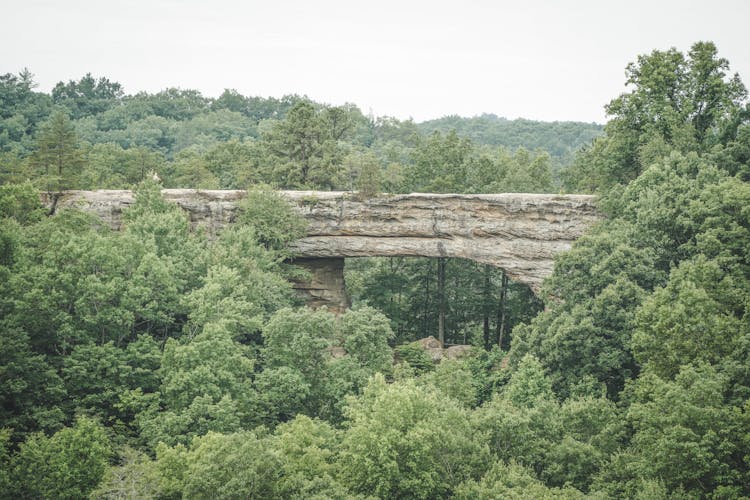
{"x": 191, "y": 171}
{"x": 241, "y": 302}
{"x": 234, "y": 163}
{"x": 100, "y": 379}
{"x": 528, "y": 385}
{"x": 686, "y": 418}
{"x": 296, "y": 347}
{"x": 67, "y": 465}
{"x": 563, "y": 443}
{"x": 239, "y": 465}
{"x": 440, "y": 164}
{"x": 111, "y": 166}
{"x": 206, "y": 386}
{"x": 302, "y": 150}
{"x": 238, "y": 249}
{"x": 213, "y": 127}
{"x": 307, "y": 449}
{"x": 512, "y": 481}
{"x": 364, "y": 173}
{"x": 232, "y": 100}
{"x": 56, "y": 268}
{"x": 21, "y": 111}
{"x": 20, "y": 202}
{"x": 87, "y": 96}
{"x": 366, "y": 333}
{"x": 57, "y": 153}
{"x": 601, "y": 282}
{"x": 361, "y": 349}
{"x": 171, "y": 262}
{"x": 272, "y": 218}
{"x": 455, "y": 379}
{"x": 31, "y": 391}
{"x": 175, "y": 103}
{"x": 135, "y": 476}
{"x": 559, "y": 139}
{"x": 693, "y": 318}
{"x": 685, "y": 103}
{"x": 406, "y": 440}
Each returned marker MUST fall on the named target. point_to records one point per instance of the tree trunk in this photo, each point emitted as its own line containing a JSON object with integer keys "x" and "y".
{"x": 426, "y": 310}
{"x": 486, "y": 306}
{"x": 441, "y": 300}
{"x": 59, "y": 183}
{"x": 501, "y": 310}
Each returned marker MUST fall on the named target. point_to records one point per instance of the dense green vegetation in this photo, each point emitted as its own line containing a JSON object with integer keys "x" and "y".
{"x": 89, "y": 134}
{"x": 560, "y": 139}
{"x": 156, "y": 362}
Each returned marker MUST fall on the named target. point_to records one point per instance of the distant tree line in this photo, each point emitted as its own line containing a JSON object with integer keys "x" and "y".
{"x": 89, "y": 134}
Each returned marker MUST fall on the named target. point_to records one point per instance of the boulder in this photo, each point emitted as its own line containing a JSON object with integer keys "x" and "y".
{"x": 458, "y": 351}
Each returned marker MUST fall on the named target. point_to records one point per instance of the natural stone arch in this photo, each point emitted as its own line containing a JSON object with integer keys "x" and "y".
{"x": 520, "y": 233}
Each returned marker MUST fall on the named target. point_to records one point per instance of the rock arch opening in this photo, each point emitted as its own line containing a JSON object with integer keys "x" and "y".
{"x": 475, "y": 303}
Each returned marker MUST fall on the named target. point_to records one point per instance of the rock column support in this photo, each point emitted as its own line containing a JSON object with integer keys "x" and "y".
{"x": 326, "y": 286}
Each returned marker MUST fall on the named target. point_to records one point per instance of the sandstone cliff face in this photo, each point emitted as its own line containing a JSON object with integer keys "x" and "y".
{"x": 519, "y": 232}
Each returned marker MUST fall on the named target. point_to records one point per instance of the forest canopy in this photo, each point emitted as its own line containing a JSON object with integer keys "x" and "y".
{"x": 89, "y": 134}
{"x": 156, "y": 362}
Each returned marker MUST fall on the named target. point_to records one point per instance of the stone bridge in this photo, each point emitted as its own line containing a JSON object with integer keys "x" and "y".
{"x": 520, "y": 233}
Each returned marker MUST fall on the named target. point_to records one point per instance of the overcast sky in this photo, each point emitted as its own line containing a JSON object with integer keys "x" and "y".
{"x": 539, "y": 59}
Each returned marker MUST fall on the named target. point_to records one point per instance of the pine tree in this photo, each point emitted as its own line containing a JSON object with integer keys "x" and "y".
{"x": 57, "y": 153}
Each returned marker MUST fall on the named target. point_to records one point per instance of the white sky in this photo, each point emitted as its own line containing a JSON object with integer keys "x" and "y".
{"x": 538, "y": 59}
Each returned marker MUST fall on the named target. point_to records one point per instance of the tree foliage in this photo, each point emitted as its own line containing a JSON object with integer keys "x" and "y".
{"x": 67, "y": 465}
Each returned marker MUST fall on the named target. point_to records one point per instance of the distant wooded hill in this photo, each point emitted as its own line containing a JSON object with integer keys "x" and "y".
{"x": 560, "y": 139}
